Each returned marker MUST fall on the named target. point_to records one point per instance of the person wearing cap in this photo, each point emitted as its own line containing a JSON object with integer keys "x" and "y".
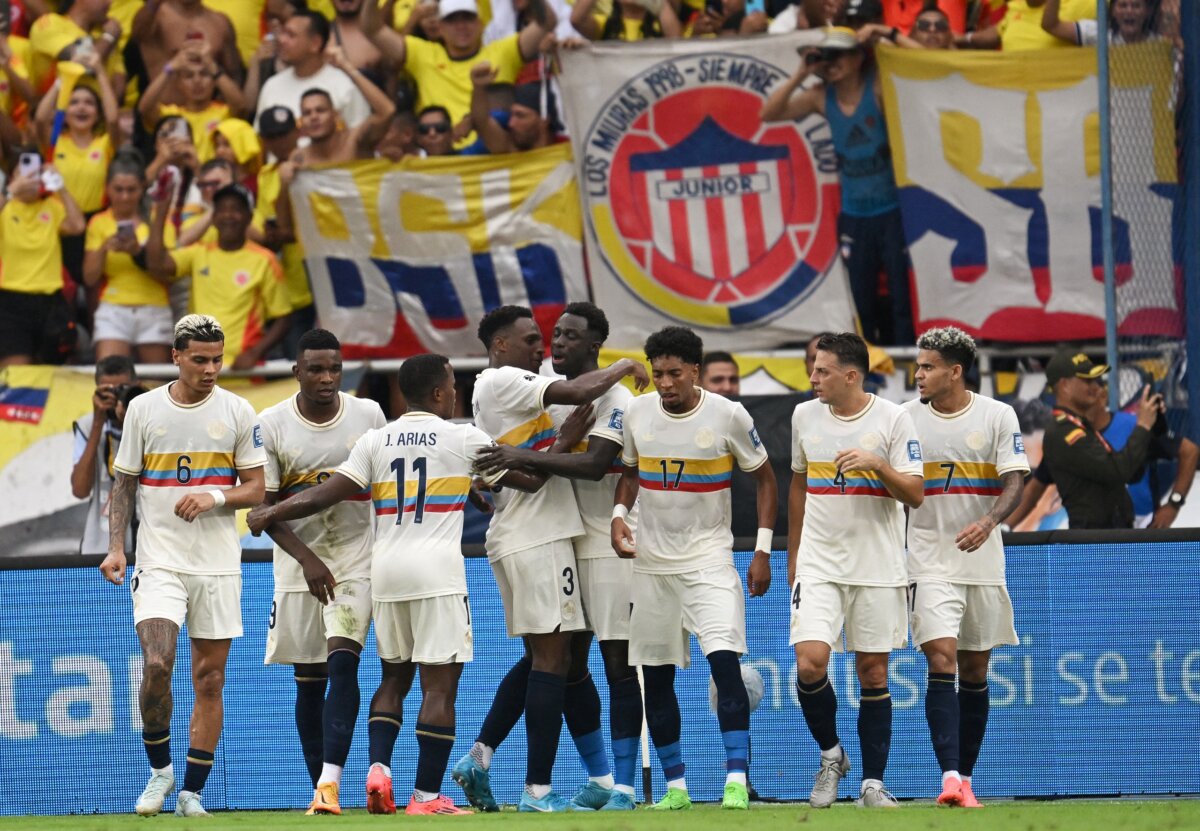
{"x": 442, "y": 71}
{"x": 233, "y": 278}
{"x": 532, "y": 117}
{"x": 869, "y": 226}
{"x": 302, "y": 43}
{"x": 1091, "y": 475}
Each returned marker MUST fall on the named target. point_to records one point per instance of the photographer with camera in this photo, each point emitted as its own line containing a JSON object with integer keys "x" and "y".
{"x": 97, "y": 436}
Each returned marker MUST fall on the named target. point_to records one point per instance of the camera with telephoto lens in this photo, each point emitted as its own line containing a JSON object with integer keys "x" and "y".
{"x": 124, "y": 393}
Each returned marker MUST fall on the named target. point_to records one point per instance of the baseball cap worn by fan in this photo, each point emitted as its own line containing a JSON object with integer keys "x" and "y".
{"x": 235, "y": 191}
{"x": 1067, "y": 364}
{"x": 838, "y": 38}
{"x": 449, "y": 7}
{"x": 276, "y": 121}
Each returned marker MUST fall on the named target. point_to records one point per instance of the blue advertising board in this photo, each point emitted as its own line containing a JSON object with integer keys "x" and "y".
{"x": 1109, "y": 662}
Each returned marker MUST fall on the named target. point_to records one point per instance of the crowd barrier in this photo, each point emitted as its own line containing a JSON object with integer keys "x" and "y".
{"x": 1106, "y": 677}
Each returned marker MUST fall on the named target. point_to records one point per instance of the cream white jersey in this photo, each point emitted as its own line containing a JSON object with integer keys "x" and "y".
{"x": 418, "y": 470}
{"x": 966, "y": 453}
{"x": 685, "y": 468}
{"x": 301, "y": 454}
{"x": 853, "y": 530}
{"x": 175, "y": 449}
{"x": 596, "y": 498}
{"x": 509, "y": 406}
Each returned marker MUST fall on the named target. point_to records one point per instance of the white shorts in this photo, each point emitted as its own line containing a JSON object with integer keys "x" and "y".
{"x": 540, "y": 590}
{"x": 299, "y": 627}
{"x": 606, "y": 595}
{"x": 431, "y": 630}
{"x": 874, "y": 617}
{"x": 134, "y": 324}
{"x": 210, "y": 604}
{"x": 708, "y": 603}
{"x": 980, "y": 617}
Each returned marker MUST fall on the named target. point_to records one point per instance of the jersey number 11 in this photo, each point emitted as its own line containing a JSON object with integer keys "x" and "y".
{"x": 400, "y": 466}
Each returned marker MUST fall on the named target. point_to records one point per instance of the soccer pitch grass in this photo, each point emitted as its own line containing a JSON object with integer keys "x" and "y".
{"x": 1072, "y": 815}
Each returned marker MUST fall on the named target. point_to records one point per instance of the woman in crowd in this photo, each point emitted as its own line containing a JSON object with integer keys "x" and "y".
{"x": 1129, "y": 21}
{"x": 630, "y": 20}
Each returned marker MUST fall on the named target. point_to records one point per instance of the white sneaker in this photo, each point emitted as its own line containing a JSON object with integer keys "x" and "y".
{"x": 188, "y": 805}
{"x": 877, "y": 796}
{"x": 161, "y": 783}
{"x": 825, "y": 789}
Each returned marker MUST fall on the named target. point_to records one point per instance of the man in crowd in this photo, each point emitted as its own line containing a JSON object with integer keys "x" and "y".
{"x": 184, "y": 448}
{"x": 162, "y": 28}
{"x": 719, "y": 373}
{"x": 435, "y": 132}
{"x": 975, "y": 469}
{"x": 322, "y": 566}
{"x": 854, "y": 455}
{"x": 329, "y": 142}
{"x": 679, "y": 448}
{"x": 527, "y": 128}
{"x": 366, "y": 57}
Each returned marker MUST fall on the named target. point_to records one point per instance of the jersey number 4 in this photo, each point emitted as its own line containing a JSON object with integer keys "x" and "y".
{"x": 400, "y": 466}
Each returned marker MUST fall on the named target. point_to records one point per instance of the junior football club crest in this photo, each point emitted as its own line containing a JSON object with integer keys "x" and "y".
{"x": 701, "y": 210}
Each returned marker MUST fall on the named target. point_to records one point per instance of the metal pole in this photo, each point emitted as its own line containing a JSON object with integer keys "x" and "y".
{"x": 1190, "y": 193}
{"x": 1106, "y": 207}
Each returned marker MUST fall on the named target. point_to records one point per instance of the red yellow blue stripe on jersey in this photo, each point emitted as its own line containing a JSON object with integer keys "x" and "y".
{"x": 187, "y": 470}
{"x": 617, "y": 465}
{"x": 979, "y": 478}
{"x": 824, "y": 480}
{"x": 442, "y": 495}
{"x": 537, "y": 434}
{"x": 295, "y": 483}
{"x": 688, "y": 475}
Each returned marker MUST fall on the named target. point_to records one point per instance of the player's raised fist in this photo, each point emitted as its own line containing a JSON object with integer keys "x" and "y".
{"x": 194, "y": 504}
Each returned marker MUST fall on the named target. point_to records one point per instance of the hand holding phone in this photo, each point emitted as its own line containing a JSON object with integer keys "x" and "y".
{"x": 29, "y": 164}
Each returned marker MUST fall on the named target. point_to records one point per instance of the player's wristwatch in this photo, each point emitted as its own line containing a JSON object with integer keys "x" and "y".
{"x": 1176, "y": 499}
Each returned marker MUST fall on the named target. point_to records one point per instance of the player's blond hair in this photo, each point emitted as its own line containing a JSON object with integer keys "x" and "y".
{"x": 952, "y": 343}
{"x": 203, "y": 328}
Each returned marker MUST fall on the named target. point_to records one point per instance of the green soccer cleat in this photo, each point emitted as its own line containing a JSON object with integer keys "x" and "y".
{"x": 736, "y": 797}
{"x": 675, "y": 800}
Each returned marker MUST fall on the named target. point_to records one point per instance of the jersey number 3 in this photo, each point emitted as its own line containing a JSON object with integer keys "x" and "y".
{"x": 400, "y": 466}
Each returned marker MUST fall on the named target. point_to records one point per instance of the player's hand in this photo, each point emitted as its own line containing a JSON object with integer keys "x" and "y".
{"x": 974, "y": 535}
{"x": 622, "y": 539}
{"x": 637, "y": 371}
{"x": 194, "y": 504}
{"x": 856, "y": 459}
{"x": 113, "y": 567}
{"x": 495, "y": 458}
{"x": 475, "y": 497}
{"x": 575, "y": 427}
{"x": 258, "y": 519}
{"x": 319, "y": 578}
{"x": 758, "y": 576}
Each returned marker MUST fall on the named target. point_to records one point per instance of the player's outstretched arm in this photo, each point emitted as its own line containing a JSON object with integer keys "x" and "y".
{"x": 317, "y": 575}
{"x": 591, "y": 465}
{"x": 767, "y": 495}
{"x": 527, "y": 481}
{"x": 333, "y": 490}
{"x": 797, "y": 501}
{"x": 623, "y": 499}
{"x": 975, "y": 534}
{"x": 120, "y": 511}
{"x": 589, "y": 386}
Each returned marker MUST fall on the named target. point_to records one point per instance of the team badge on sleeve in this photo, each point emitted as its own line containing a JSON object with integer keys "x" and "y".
{"x": 754, "y": 439}
{"x": 616, "y": 421}
{"x": 1018, "y": 444}
{"x": 914, "y": 451}
{"x": 258, "y": 441}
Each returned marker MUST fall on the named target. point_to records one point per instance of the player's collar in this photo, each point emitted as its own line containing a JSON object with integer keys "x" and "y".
{"x": 958, "y": 413}
{"x": 324, "y": 425}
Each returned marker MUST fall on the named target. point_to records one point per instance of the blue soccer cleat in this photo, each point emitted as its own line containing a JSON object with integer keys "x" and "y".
{"x": 619, "y": 801}
{"x": 591, "y": 796}
{"x": 475, "y": 782}
{"x": 551, "y": 803}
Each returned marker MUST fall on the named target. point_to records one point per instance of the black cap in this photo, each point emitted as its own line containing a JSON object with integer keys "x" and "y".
{"x": 1070, "y": 364}
{"x": 276, "y": 121}
{"x": 863, "y": 11}
{"x": 235, "y": 191}
{"x": 529, "y": 95}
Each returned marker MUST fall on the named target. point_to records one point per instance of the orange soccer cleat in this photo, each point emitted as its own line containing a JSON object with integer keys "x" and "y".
{"x": 325, "y": 800}
{"x": 968, "y": 796}
{"x": 952, "y": 793}
{"x": 441, "y": 805}
{"x": 379, "y": 792}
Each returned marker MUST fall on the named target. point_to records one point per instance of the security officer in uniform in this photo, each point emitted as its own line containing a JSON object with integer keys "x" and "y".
{"x": 1090, "y": 475}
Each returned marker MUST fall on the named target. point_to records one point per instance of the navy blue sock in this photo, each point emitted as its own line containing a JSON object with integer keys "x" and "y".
{"x": 543, "y": 724}
{"x": 941, "y": 711}
{"x": 625, "y": 721}
{"x": 507, "y": 706}
{"x": 972, "y": 723}
{"x": 733, "y": 707}
{"x": 434, "y": 744}
{"x": 199, "y": 766}
{"x": 341, "y": 706}
{"x": 382, "y": 730}
{"x": 581, "y": 709}
{"x": 875, "y": 731}
{"x": 663, "y": 719}
{"x": 158, "y": 748}
{"x": 310, "y": 702}
{"x": 818, "y": 702}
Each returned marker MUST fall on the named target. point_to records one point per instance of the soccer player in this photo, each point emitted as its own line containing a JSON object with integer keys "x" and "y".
{"x": 857, "y": 462}
{"x": 322, "y": 604}
{"x": 184, "y": 446}
{"x": 593, "y": 466}
{"x": 529, "y": 547}
{"x": 678, "y": 449}
{"x": 418, "y": 472}
{"x": 975, "y": 469}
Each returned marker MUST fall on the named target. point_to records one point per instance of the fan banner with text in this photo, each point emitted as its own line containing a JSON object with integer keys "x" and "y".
{"x": 696, "y": 212}
{"x": 407, "y": 257}
{"x": 997, "y": 157}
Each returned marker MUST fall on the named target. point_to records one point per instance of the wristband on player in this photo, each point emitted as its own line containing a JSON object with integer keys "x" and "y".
{"x": 620, "y": 512}
{"x": 218, "y": 497}
{"x": 763, "y": 541}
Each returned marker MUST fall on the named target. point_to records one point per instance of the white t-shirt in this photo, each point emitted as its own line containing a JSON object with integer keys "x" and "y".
{"x": 301, "y": 454}
{"x": 596, "y": 498}
{"x": 175, "y": 449}
{"x": 685, "y": 467}
{"x": 966, "y": 453}
{"x": 508, "y": 406}
{"x": 285, "y": 89}
{"x": 418, "y": 536}
{"x": 853, "y": 530}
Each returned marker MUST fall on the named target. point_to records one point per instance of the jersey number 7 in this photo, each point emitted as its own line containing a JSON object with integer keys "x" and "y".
{"x": 400, "y": 466}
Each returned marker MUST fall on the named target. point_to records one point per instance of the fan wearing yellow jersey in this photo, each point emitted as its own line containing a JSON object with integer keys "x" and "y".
{"x": 975, "y": 469}
{"x": 856, "y": 464}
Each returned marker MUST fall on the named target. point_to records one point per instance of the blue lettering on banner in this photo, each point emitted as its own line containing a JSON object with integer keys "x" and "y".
{"x": 1018, "y": 444}
{"x": 914, "y": 450}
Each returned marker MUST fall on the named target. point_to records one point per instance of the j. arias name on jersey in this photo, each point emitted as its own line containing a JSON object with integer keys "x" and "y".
{"x": 411, "y": 440}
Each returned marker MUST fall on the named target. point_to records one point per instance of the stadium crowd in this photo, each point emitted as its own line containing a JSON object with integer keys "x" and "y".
{"x": 206, "y": 110}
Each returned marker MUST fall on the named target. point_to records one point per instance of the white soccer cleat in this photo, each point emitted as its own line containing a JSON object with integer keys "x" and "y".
{"x": 877, "y": 796}
{"x": 825, "y": 789}
{"x": 188, "y": 805}
{"x": 151, "y": 801}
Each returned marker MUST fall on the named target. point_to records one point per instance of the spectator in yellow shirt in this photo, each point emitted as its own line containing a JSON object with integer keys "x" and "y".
{"x": 84, "y": 29}
{"x": 629, "y": 20}
{"x": 35, "y": 321}
{"x": 233, "y": 279}
{"x": 1020, "y": 30}
{"x": 17, "y": 95}
{"x": 134, "y": 316}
